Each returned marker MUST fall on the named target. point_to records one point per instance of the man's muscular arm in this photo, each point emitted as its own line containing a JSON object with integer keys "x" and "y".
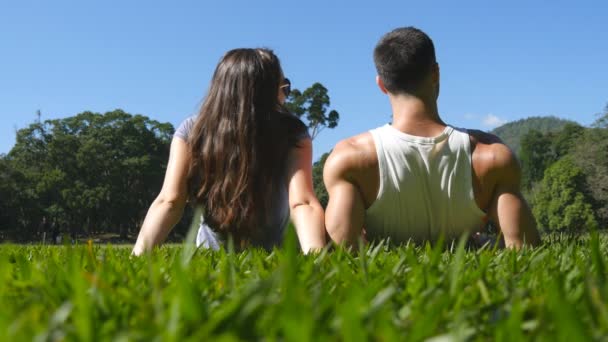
{"x": 345, "y": 213}
{"x": 508, "y": 208}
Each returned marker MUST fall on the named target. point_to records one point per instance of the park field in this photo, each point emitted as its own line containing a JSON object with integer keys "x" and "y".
{"x": 100, "y": 293}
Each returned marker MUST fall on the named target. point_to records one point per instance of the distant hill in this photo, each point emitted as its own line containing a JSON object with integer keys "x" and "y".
{"x": 512, "y": 132}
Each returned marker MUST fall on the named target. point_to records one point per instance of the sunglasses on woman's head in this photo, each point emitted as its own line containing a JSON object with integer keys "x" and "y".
{"x": 286, "y": 87}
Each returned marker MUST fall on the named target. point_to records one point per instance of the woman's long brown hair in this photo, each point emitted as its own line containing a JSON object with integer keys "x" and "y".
{"x": 239, "y": 142}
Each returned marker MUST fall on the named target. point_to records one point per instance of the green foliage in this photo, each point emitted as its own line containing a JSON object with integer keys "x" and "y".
{"x": 591, "y": 154}
{"x": 554, "y": 292}
{"x": 564, "y": 140}
{"x": 586, "y": 147}
{"x": 6, "y": 189}
{"x": 312, "y": 105}
{"x": 317, "y": 180}
{"x": 91, "y": 172}
{"x": 511, "y": 133}
{"x": 602, "y": 120}
{"x": 539, "y": 150}
{"x": 535, "y": 156}
{"x": 562, "y": 200}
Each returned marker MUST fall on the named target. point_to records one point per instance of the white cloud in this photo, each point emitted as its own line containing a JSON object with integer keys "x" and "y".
{"x": 492, "y": 121}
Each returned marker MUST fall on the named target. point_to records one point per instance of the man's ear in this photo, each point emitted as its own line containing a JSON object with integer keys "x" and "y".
{"x": 381, "y": 85}
{"x": 436, "y": 79}
{"x": 436, "y": 74}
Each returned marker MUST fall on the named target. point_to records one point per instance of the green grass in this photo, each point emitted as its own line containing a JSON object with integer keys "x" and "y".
{"x": 556, "y": 292}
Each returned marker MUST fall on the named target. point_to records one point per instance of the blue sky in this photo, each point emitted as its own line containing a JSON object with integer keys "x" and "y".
{"x": 499, "y": 62}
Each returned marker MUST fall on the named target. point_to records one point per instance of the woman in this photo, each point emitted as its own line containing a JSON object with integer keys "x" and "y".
{"x": 244, "y": 160}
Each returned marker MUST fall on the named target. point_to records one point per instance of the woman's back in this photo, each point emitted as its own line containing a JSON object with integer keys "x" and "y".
{"x": 276, "y": 218}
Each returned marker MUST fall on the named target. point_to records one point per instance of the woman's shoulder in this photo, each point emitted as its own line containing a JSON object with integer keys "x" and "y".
{"x": 184, "y": 129}
{"x": 293, "y": 125}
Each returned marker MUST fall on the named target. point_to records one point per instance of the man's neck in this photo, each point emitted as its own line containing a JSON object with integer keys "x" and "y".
{"x": 416, "y": 116}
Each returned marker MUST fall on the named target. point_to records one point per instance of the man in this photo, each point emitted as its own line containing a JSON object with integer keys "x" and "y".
{"x": 418, "y": 178}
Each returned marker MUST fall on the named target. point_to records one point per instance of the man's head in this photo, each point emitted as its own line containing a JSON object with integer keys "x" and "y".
{"x": 406, "y": 64}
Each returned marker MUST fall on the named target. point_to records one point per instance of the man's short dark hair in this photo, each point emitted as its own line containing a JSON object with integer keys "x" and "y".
{"x": 404, "y": 57}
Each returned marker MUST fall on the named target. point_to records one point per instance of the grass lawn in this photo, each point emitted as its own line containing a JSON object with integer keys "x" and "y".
{"x": 98, "y": 292}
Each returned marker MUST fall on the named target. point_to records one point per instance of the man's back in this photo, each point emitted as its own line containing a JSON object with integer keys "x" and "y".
{"x": 425, "y": 187}
{"x": 353, "y": 176}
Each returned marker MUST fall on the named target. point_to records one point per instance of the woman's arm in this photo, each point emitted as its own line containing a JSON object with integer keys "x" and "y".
{"x": 306, "y": 212}
{"x": 168, "y": 207}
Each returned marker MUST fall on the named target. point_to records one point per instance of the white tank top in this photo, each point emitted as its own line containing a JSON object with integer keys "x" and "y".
{"x": 425, "y": 187}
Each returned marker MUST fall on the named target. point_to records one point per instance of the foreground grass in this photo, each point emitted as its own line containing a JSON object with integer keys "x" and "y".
{"x": 556, "y": 292}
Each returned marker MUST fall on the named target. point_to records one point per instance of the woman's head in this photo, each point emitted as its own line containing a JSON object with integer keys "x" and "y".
{"x": 233, "y": 156}
{"x": 247, "y": 76}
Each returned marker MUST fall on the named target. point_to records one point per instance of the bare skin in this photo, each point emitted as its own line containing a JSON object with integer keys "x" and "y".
{"x": 351, "y": 173}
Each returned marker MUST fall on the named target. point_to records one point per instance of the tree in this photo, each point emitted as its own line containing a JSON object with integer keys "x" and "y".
{"x": 562, "y": 200}
{"x": 565, "y": 140}
{"x": 317, "y": 180}
{"x": 91, "y": 172}
{"x": 6, "y": 194}
{"x": 539, "y": 150}
{"x": 536, "y": 155}
{"x": 602, "y": 120}
{"x": 312, "y": 106}
{"x": 591, "y": 154}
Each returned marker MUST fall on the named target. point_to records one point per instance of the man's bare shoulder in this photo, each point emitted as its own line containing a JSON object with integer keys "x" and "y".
{"x": 352, "y": 154}
{"x": 491, "y": 155}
